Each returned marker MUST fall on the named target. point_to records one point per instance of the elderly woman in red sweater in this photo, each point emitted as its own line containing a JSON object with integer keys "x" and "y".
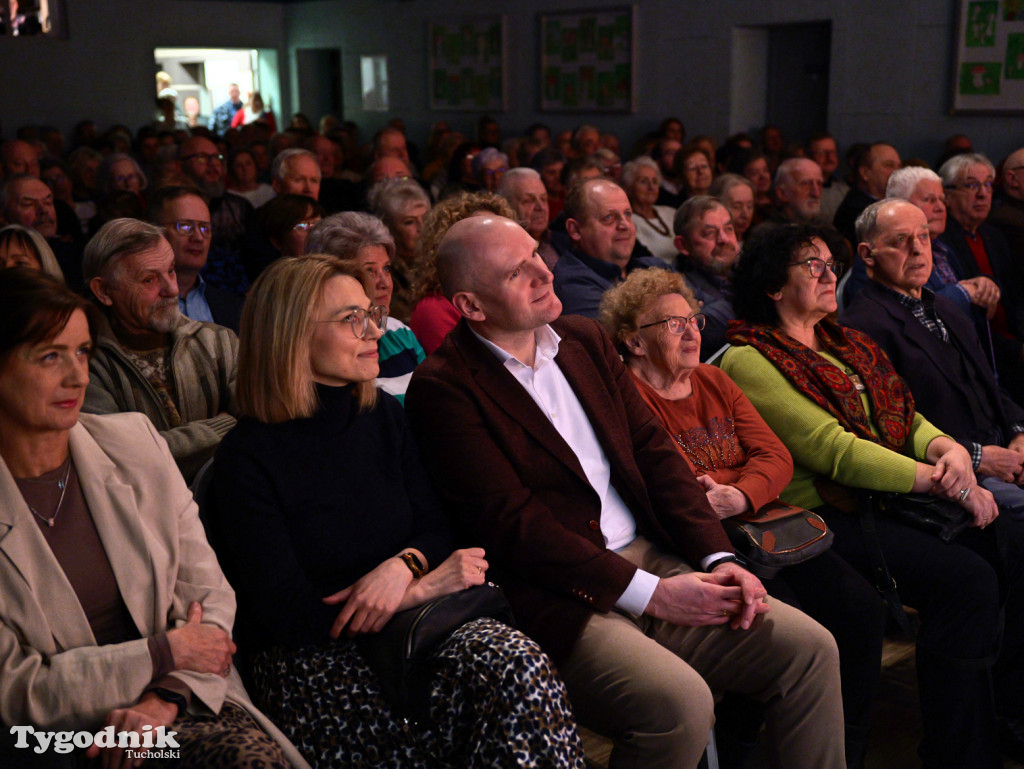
{"x": 655, "y": 322}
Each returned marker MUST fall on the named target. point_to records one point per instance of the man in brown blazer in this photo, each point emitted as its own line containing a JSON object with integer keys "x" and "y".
{"x": 604, "y": 542}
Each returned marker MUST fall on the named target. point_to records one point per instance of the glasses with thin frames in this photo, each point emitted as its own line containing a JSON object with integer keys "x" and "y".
{"x": 359, "y": 319}
{"x": 676, "y": 324}
{"x": 187, "y": 226}
{"x": 816, "y": 267}
{"x": 971, "y": 186}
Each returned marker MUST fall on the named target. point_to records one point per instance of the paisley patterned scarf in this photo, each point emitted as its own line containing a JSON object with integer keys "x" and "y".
{"x": 892, "y": 405}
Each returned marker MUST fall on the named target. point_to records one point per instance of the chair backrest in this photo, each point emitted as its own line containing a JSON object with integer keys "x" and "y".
{"x": 716, "y": 356}
{"x": 842, "y": 287}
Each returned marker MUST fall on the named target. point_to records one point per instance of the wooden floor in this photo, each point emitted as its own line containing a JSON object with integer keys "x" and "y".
{"x": 895, "y": 719}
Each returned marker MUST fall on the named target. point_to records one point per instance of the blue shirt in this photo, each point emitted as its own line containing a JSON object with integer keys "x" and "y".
{"x": 194, "y": 305}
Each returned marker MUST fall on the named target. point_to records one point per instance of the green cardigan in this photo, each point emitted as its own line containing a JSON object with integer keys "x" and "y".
{"x": 819, "y": 444}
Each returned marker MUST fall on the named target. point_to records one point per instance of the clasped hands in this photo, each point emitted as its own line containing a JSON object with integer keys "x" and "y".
{"x": 194, "y": 646}
{"x": 728, "y": 594}
{"x": 953, "y": 477}
{"x": 372, "y": 600}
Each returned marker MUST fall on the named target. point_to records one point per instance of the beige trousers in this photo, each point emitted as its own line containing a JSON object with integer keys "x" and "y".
{"x": 648, "y": 684}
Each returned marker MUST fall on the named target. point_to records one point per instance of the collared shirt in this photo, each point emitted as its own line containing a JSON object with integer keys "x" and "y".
{"x": 193, "y": 305}
{"x": 551, "y": 391}
{"x": 924, "y": 311}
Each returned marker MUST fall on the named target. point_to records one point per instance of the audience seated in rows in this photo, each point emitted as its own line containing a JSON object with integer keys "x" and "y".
{"x": 849, "y": 422}
{"x": 116, "y": 611}
{"x": 556, "y": 467}
{"x": 318, "y": 563}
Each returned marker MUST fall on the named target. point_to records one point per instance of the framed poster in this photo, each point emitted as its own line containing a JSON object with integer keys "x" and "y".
{"x": 467, "y": 64}
{"x": 989, "y": 74}
{"x": 587, "y": 61}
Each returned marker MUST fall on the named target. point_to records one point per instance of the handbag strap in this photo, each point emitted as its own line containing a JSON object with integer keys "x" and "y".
{"x": 884, "y": 583}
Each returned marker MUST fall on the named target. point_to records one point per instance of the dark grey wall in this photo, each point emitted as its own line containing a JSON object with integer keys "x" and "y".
{"x": 889, "y": 63}
{"x": 104, "y": 71}
{"x": 890, "y": 71}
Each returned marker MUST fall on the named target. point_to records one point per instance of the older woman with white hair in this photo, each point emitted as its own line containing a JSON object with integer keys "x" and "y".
{"x": 401, "y": 204}
{"x": 364, "y": 241}
{"x": 641, "y": 179}
{"x": 489, "y": 165}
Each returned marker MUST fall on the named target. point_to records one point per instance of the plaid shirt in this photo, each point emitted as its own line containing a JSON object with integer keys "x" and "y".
{"x": 924, "y": 311}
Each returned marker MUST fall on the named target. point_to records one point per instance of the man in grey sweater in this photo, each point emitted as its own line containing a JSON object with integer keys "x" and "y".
{"x": 149, "y": 358}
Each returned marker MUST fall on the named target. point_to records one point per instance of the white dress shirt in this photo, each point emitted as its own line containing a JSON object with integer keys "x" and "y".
{"x": 551, "y": 391}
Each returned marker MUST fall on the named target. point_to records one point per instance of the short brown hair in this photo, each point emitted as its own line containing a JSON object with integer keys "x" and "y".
{"x": 37, "y": 307}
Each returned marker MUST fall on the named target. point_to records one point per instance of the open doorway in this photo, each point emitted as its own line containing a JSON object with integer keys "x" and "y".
{"x": 780, "y": 75}
{"x": 205, "y": 75}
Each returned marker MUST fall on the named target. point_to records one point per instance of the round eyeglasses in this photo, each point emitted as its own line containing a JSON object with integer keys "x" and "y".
{"x": 359, "y": 319}
{"x": 816, "y": 267}
{"x": 676, "y": 324}
{"x": 188, "y": 226}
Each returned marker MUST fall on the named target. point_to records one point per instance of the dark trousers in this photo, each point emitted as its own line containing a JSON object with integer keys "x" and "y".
{"x": 960, "y": 590}
{"x": 834, "y": 594}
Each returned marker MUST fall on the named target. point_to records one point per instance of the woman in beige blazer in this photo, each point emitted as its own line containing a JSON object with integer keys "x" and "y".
{"x": 113, "y": 608}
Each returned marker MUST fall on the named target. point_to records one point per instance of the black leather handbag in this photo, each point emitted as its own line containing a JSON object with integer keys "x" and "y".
{"x": 399, "y": 654}
{"x": 941, "y": 517}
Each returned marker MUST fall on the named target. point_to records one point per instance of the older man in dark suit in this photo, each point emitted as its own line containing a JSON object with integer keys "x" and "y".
{"x": 935, "y": 347}
{"x": 603, "y": 540}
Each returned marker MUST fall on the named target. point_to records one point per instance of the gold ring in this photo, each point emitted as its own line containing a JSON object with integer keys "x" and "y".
{"x": 479, "y": 569}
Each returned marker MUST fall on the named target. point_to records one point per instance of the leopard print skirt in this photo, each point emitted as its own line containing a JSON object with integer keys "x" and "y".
{"x": 495, "y": 701}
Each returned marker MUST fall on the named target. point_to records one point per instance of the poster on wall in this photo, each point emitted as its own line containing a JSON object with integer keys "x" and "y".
{"x": 467, "y": 64}
{"x": 587, "y": 61}
{"x": 989, "y": 75}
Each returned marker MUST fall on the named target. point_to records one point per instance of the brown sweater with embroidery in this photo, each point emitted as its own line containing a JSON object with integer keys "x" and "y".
{"x": 720, "y": 434}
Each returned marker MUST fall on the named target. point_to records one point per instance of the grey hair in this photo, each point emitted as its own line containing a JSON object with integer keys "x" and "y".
{"x": 957, "y": 166}
{"x": 904, "y": 181}
{"x": 116, "y": 240}
{"x": 103, "y": 173}
{"x": 344, "y": 235}
{"x": 723, "y": 185}
{"x": 784, "y": 173}
{"x": 485, "y": 156}
{"x": 693, "y": 209}
{"x": 388, "y": 198}
{"x": 47, "y": 260}
{"x": 510, "y": 181}
{"x": 867, "y": 222}
{"x": 277, "y": 169}
{"x": 632, "y": 168}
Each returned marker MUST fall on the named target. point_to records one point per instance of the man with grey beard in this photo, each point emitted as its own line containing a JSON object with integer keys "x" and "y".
{"x": 708, "y": 249}
{"x": 150, "y": 358}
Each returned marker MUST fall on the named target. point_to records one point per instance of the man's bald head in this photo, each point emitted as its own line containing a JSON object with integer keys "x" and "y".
{"x": 1013, "y": 174}
{"x": 463, "y": 250}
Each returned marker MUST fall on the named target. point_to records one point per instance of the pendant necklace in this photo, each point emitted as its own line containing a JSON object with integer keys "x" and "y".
{"x": 63, "y": 486}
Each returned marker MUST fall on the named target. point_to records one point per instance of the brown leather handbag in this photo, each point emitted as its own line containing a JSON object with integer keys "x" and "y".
{"x": 776, "y": 536}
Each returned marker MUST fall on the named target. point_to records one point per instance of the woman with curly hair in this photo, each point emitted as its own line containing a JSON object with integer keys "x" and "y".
{"x": 433, "y": 316}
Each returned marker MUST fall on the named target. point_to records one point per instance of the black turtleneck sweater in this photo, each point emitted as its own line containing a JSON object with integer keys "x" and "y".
{"x": 306, "y": 507}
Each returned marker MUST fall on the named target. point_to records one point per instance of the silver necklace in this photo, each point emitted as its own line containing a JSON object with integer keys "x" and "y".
{"x": 63, "y": 486}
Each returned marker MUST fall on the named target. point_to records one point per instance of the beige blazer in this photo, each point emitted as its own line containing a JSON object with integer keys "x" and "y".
{"x": 52, "y": 673}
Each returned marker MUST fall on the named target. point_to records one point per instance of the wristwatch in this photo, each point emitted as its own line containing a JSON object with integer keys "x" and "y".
{"x": 415, "y": 564}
